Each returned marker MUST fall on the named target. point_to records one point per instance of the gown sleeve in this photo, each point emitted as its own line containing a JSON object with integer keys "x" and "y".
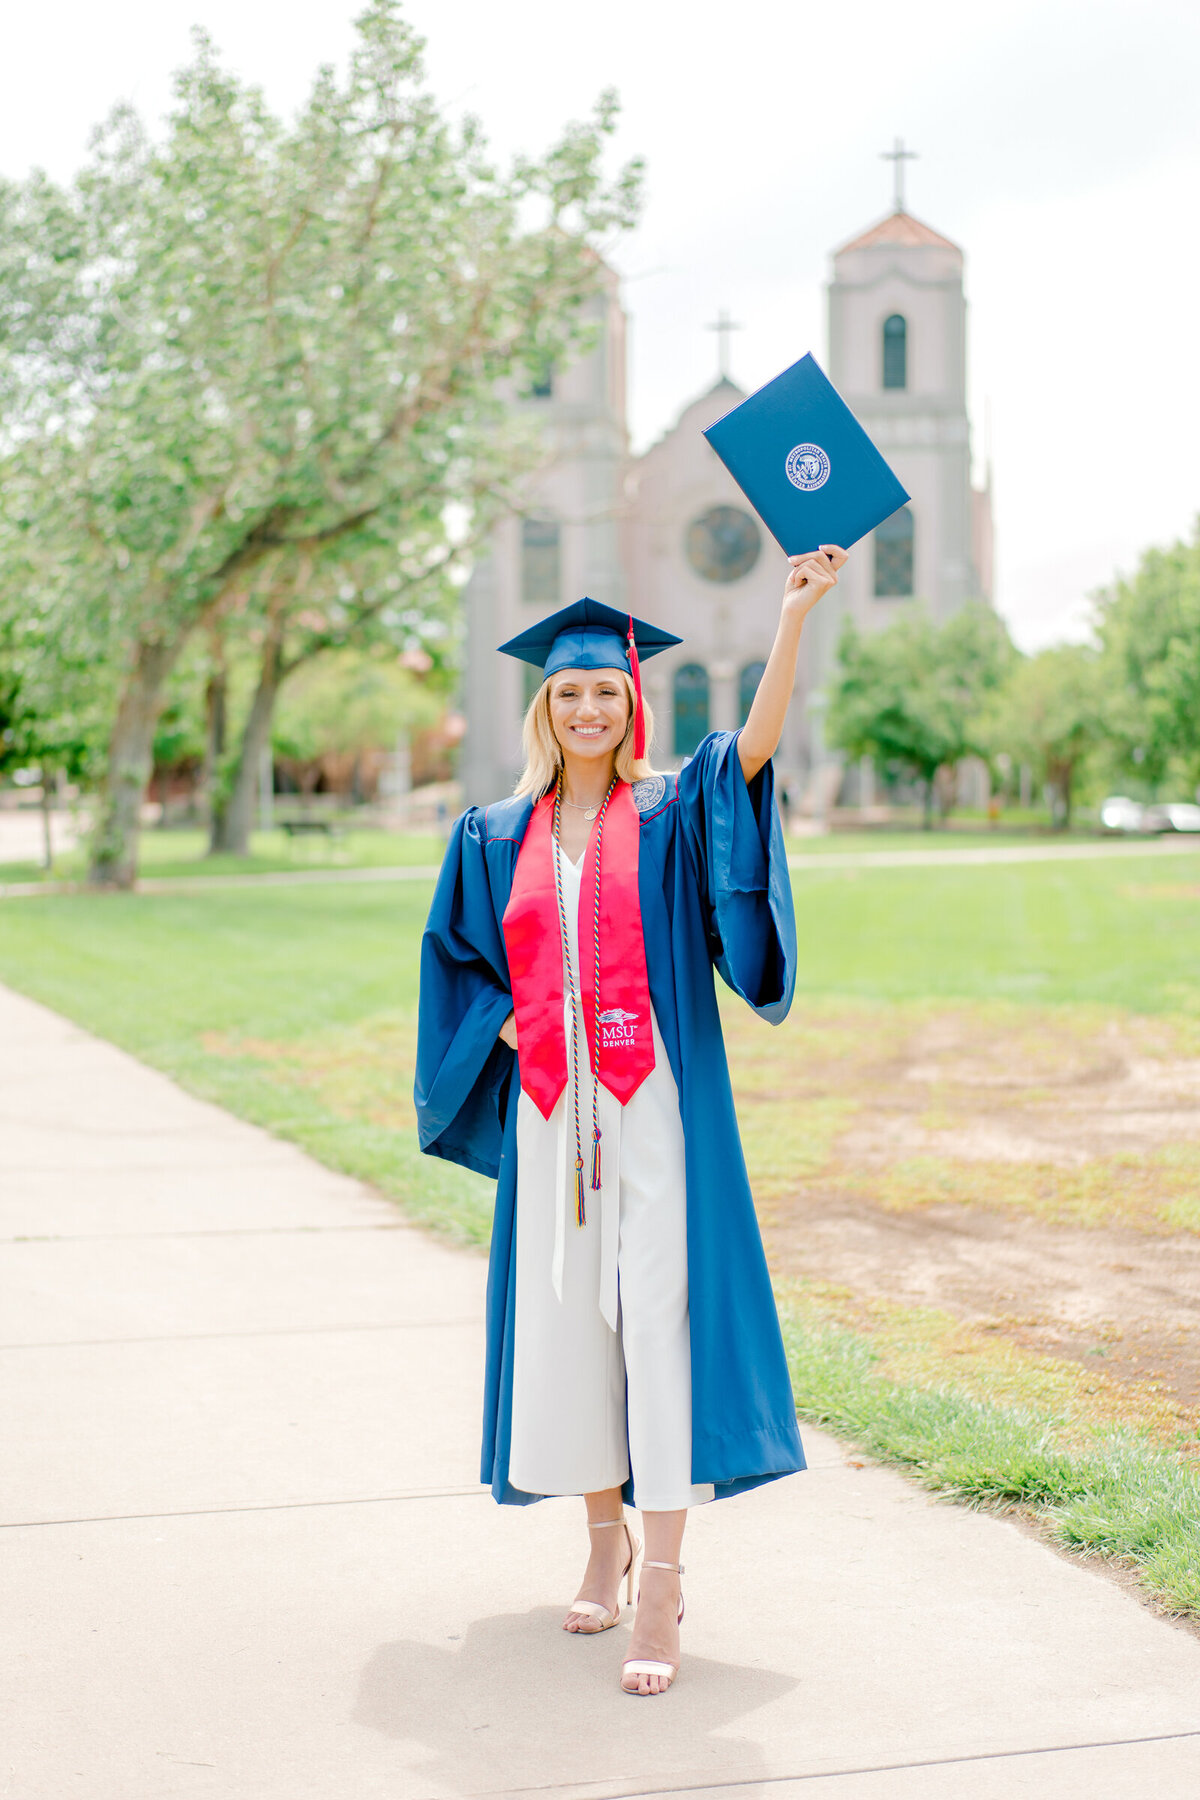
{"x": 735, "y": 839}
{"x": 463, "y": 1068}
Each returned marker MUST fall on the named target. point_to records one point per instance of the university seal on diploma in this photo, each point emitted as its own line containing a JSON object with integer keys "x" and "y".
{"x": 807, "y": 467}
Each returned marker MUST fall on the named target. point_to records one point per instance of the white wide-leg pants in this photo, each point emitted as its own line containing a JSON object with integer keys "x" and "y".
{"x": 602, "y": 1358}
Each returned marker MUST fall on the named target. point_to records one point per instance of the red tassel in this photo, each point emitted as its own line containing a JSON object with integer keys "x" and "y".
{"x": 639, "y": 720}
{"x": 580, "y": 1214}
{"x": 596, "y": 1160}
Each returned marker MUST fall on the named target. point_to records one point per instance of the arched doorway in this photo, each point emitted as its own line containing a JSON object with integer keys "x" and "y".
{"x": 690, "y": 693}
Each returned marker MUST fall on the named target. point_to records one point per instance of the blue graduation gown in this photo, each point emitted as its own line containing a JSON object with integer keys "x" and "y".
{"x": 714, "y": 890}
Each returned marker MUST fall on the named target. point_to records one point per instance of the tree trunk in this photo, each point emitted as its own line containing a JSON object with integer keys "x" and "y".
{"x": 114, "y": 848}
{"x": 1060, "y": 778}
{"x": 233, "y": 817}
{"x": 927, "y": 819}
{"x": 945, "y": 787}
{"x": 216, "y": 693}
{"x": 47, "y": 835}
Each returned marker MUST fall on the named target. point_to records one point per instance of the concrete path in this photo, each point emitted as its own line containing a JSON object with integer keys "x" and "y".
{"x": 951, "y": 855}
{"x": 23, "y": 833}
{"x": 246, "y": 1556}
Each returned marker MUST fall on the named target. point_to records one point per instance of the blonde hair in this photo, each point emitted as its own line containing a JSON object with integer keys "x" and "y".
{"x": 543, "y": 753}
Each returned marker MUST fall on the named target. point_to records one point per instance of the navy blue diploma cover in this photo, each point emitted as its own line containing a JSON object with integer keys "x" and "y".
{"x": 805, "y": 463}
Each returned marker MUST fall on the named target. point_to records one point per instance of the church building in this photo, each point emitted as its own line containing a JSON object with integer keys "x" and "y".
{"x": 669, "y": 536}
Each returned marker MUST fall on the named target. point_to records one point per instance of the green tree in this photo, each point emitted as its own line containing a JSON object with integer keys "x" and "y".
{"x": 1052, "y": 714}
{"x": 250, "y": 353}
{"x": 1150, "y": 633}
{"x": 912, "y": 695}
{"x": 393, "y": 596}
{"x": 352, "y": 702}
{"x": 53, "y": 697}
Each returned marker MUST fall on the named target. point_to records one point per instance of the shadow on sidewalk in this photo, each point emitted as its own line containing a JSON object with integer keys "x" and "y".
{"x": 521, "y": 1703}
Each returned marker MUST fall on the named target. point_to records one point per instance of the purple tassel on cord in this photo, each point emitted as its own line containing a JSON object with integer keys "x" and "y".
{"x": 580, "y": 1214}
{"x": 595, "y": 1159}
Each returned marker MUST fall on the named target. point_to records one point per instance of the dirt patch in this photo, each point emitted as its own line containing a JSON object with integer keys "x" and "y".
{"x": 359, "y": 1071}
{"x": 1060, "y": 1092}
{"x": 1161, "y": 890}
{"x": 1034, "y": 1174}
{"x": 1071, "y": 1114}
{"x": 1123, "y": 1306}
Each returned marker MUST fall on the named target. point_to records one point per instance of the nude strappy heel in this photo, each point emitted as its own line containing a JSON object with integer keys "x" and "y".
{"x": 637, "y": 1667}
{"x": 605, "y": 1620}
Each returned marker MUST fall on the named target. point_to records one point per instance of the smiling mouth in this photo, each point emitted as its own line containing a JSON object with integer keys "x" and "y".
{"x": 589, "y": 730}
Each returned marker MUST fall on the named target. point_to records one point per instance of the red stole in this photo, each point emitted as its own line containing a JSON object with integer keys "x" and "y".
{"x": 533, "y": 936}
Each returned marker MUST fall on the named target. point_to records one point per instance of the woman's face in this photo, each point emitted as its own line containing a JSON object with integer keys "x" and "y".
{"x": 589, "y": 710}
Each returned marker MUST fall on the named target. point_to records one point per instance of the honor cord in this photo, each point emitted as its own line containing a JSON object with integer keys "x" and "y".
{"x": 580, "y": 1208}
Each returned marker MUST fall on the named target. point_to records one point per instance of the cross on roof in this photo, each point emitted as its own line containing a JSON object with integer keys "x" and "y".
{"x": 898, "y": 156}
{"x": 723, "y": 325}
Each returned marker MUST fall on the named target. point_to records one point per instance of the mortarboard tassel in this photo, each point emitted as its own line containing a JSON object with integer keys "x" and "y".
{"x": 580, "y": 1212}
{"x": 639, "y": 718}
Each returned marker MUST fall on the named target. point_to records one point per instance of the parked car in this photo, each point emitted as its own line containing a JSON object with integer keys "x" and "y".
{"x": 1175, "y": 815}
{"x": 1118, "y": 813}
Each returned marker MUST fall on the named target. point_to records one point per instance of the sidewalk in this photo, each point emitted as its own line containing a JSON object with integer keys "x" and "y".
{"x": 247, "y": 1556}
{"x": 965, "y": 856}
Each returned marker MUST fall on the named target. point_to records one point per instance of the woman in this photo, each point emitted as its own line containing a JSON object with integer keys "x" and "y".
{"x": 570, "y": 1045}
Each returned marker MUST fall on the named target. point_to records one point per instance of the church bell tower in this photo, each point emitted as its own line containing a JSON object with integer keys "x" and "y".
{"x": 897, "y": 355}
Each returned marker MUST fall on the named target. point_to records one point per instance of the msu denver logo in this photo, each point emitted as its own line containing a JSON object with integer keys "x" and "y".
{"x": 807, "y": 467}
{"x": 619, "y": 1026}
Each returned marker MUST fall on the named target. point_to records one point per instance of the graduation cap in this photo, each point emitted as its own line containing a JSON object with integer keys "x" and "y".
{"x": 589, "y": 635}
{"x": 805, "y": 463}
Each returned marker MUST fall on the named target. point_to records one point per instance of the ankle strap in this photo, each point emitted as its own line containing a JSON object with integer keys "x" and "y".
{"x": 675, "y": 1568}
{"x": 603, "y": 1524}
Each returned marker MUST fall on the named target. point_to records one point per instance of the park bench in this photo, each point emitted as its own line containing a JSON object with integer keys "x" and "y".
{"x": 295, "y": 828}
{"x": 327, "y": 832}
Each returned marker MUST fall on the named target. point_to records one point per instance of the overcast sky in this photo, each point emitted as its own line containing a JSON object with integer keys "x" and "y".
{"x": 1058, "y": 143}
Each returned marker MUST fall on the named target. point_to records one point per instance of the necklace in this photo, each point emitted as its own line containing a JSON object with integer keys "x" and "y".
{"x": 576, "y": 1002}
{"x": 589, "y": 812}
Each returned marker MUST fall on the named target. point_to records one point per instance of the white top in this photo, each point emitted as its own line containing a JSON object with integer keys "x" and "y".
{"x": 648, "y": 1125}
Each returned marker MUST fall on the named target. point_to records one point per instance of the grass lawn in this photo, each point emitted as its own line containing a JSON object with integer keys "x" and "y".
{"x": 295, "y": 1008}
{"x": 183, "y": 852}
{"x": 893, "y": 837}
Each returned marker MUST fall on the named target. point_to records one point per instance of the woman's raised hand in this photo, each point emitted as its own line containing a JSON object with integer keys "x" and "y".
{"x": 811, "y": 577}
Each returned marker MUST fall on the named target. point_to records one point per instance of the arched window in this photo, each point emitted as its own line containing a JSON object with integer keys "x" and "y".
{"x": 691, "y": 707}
{"x": 539, "y": 380}
{"x": 748, "y": 680}
{"x": 894, "y": 556}
{"x": 540, "y": 571}
{"x": 895, "y": 352}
